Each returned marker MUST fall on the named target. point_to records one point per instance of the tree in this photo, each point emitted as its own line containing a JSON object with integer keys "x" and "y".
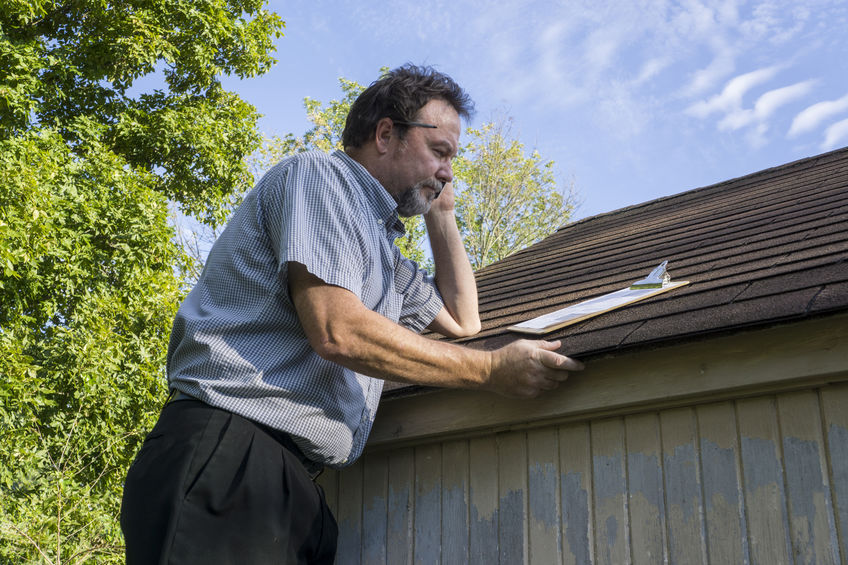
{"x": 89, "y": 271}
{"x": 506, "y": 200}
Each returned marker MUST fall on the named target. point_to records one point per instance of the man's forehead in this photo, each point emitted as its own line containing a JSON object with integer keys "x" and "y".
{"x": 440, "y": 113}
{"x": 443, "y": 116}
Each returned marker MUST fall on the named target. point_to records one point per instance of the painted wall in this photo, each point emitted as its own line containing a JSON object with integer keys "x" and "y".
{"x": 760, "y": 480}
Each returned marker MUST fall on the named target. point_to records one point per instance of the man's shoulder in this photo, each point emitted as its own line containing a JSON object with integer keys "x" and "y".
{"x": 314, "y": 157}
{"x": 306, "y": 167}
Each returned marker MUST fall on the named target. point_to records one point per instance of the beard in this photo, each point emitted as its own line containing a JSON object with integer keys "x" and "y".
{"x": 413, "y": 202}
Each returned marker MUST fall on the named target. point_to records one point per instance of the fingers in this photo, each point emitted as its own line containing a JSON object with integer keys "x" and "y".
{"x": 525, "y": 368}
{"x": 444, "y": 200}
{"x": 552, "y": 360}
{"x": 560, "y": 362}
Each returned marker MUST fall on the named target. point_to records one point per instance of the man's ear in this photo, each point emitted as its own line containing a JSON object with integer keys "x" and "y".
{"x": 383, "y": 135}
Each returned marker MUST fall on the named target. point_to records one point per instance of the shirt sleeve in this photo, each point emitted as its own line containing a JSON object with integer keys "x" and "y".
{"x": 310, "y": 215}
{"x": 421, "y": 298}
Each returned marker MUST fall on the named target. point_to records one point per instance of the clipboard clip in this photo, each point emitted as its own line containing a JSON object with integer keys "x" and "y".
{"x": 657, "y": 278}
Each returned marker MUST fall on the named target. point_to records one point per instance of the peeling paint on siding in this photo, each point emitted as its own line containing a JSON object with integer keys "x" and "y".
{"x": 511, "y": 528}
{"x": 765, "y": 501}
{"x": 647, "y": 510}
{"x": 681, "y": 484}
{"x": 611, "y": 533}
{"x": 761, "y": 480}
{"x": 543, "y": 500}
{"x": 838, "y": 445}
{"x": 484, "y": 536}
{"x": 726, "y": 526}
{"x": 645, "y": 478}
{"x": 609, "y": 476}
{"x": 397, "y": 523}
{"x": 809, "y": 500}
{"x": 575, "y": 505}
{"x": 454, "y": 527}
{"x": 763, "y": 468}
{"x": 374, "y": 530}
{"x": 428, "y": 518}
{"x": 720, "y": 482}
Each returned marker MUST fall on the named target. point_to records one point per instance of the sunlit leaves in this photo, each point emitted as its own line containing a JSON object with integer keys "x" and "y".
{"x": 89, "y": 270}
{"x": 88, "y": 296}
{"x": 507, "y": 198}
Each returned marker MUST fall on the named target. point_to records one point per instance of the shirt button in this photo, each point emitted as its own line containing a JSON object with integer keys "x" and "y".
{"x": 380, "y": 222}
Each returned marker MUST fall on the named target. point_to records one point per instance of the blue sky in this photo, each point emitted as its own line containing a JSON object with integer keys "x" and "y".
{"x": 632, "y": 100}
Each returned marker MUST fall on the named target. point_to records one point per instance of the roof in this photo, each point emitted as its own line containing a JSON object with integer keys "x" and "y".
{"x": 761, "y": 249}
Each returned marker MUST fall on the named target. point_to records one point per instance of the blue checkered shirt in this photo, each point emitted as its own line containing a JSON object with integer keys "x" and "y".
{"x": 237, "y": 343}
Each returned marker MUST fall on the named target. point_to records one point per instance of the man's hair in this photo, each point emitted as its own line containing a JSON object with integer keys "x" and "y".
{"x": 400, "y": 94}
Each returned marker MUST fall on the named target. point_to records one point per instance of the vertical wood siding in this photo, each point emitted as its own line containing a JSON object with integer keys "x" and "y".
{"x": 753, "y": 481}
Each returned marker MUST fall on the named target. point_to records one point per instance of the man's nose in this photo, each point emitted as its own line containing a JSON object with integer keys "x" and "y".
{"x": 445, "y": 173}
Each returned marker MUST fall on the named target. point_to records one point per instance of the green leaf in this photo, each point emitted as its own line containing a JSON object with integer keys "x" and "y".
{"x": 89, "y": 266}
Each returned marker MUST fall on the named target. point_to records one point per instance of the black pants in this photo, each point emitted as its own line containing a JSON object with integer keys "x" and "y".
{"x": 211, "y": 487}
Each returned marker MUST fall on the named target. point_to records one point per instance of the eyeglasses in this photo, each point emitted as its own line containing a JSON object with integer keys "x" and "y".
{"x": 415, "y": 124}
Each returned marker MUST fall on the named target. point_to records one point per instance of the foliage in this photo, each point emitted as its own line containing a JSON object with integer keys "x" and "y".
{"x": 326, "y": 131}
{"x": 507, "y": 200}
{"x": 88, "y": 293}
{"x": 64, "y": 60}
{"x": 89, "y": 271}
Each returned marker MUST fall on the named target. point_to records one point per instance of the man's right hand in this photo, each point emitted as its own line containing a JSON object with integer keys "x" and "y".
{"x": 525, "y": 368}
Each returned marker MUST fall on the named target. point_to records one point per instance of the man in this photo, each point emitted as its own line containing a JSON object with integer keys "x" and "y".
{"x": 277, "y": 355}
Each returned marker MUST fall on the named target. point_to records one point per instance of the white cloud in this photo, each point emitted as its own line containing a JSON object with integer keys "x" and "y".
{"x": 776, "y": 22}
{"x": 601, "y": 47}
{"x": 811, "y": 117}
{"x": 765, "y": 106}
{"x": 731, "y": 96}
{"x": 641, "y": 61}
{"x": 756, "y": 136}
{"x": 723, "y": 63}
{"x": 652, "y": 68}
{"x": 835, "y": 135}
{"x": 715, "y": 26}
{"x": 774, "y": 99}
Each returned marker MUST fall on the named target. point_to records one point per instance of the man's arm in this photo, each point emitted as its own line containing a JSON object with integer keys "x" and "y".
{"x": 454, "y": 277}
{"x": 341, "y": 329}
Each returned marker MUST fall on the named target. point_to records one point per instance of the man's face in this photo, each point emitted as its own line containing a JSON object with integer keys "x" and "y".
{"x": 421, "y": 162}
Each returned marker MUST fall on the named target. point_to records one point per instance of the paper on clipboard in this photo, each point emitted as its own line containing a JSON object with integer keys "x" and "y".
{"x": 593, "y": 307}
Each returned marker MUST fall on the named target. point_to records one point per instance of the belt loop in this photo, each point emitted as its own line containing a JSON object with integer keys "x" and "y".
{"x": 315, "y": 474}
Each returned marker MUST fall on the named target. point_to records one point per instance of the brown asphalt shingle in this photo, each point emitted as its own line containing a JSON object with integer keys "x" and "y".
{"x": 761, "y": 249}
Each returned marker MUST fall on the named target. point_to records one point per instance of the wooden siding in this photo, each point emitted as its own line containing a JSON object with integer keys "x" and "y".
{"x": 759, "y": 480}
{"x": 789, "y": 356}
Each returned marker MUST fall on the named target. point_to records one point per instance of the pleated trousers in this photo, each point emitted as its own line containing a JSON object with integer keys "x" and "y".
{"x": 211, "y": 487}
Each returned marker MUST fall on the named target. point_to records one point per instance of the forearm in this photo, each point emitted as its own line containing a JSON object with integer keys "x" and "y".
{"x": 373, "y": 345}
{"x": 377, "y": 347}
{"x": 454, "y": 276}
{"x": 342, "y": 330}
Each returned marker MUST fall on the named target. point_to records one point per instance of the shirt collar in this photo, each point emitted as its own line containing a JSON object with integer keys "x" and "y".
{"x": 378, "y": 198}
